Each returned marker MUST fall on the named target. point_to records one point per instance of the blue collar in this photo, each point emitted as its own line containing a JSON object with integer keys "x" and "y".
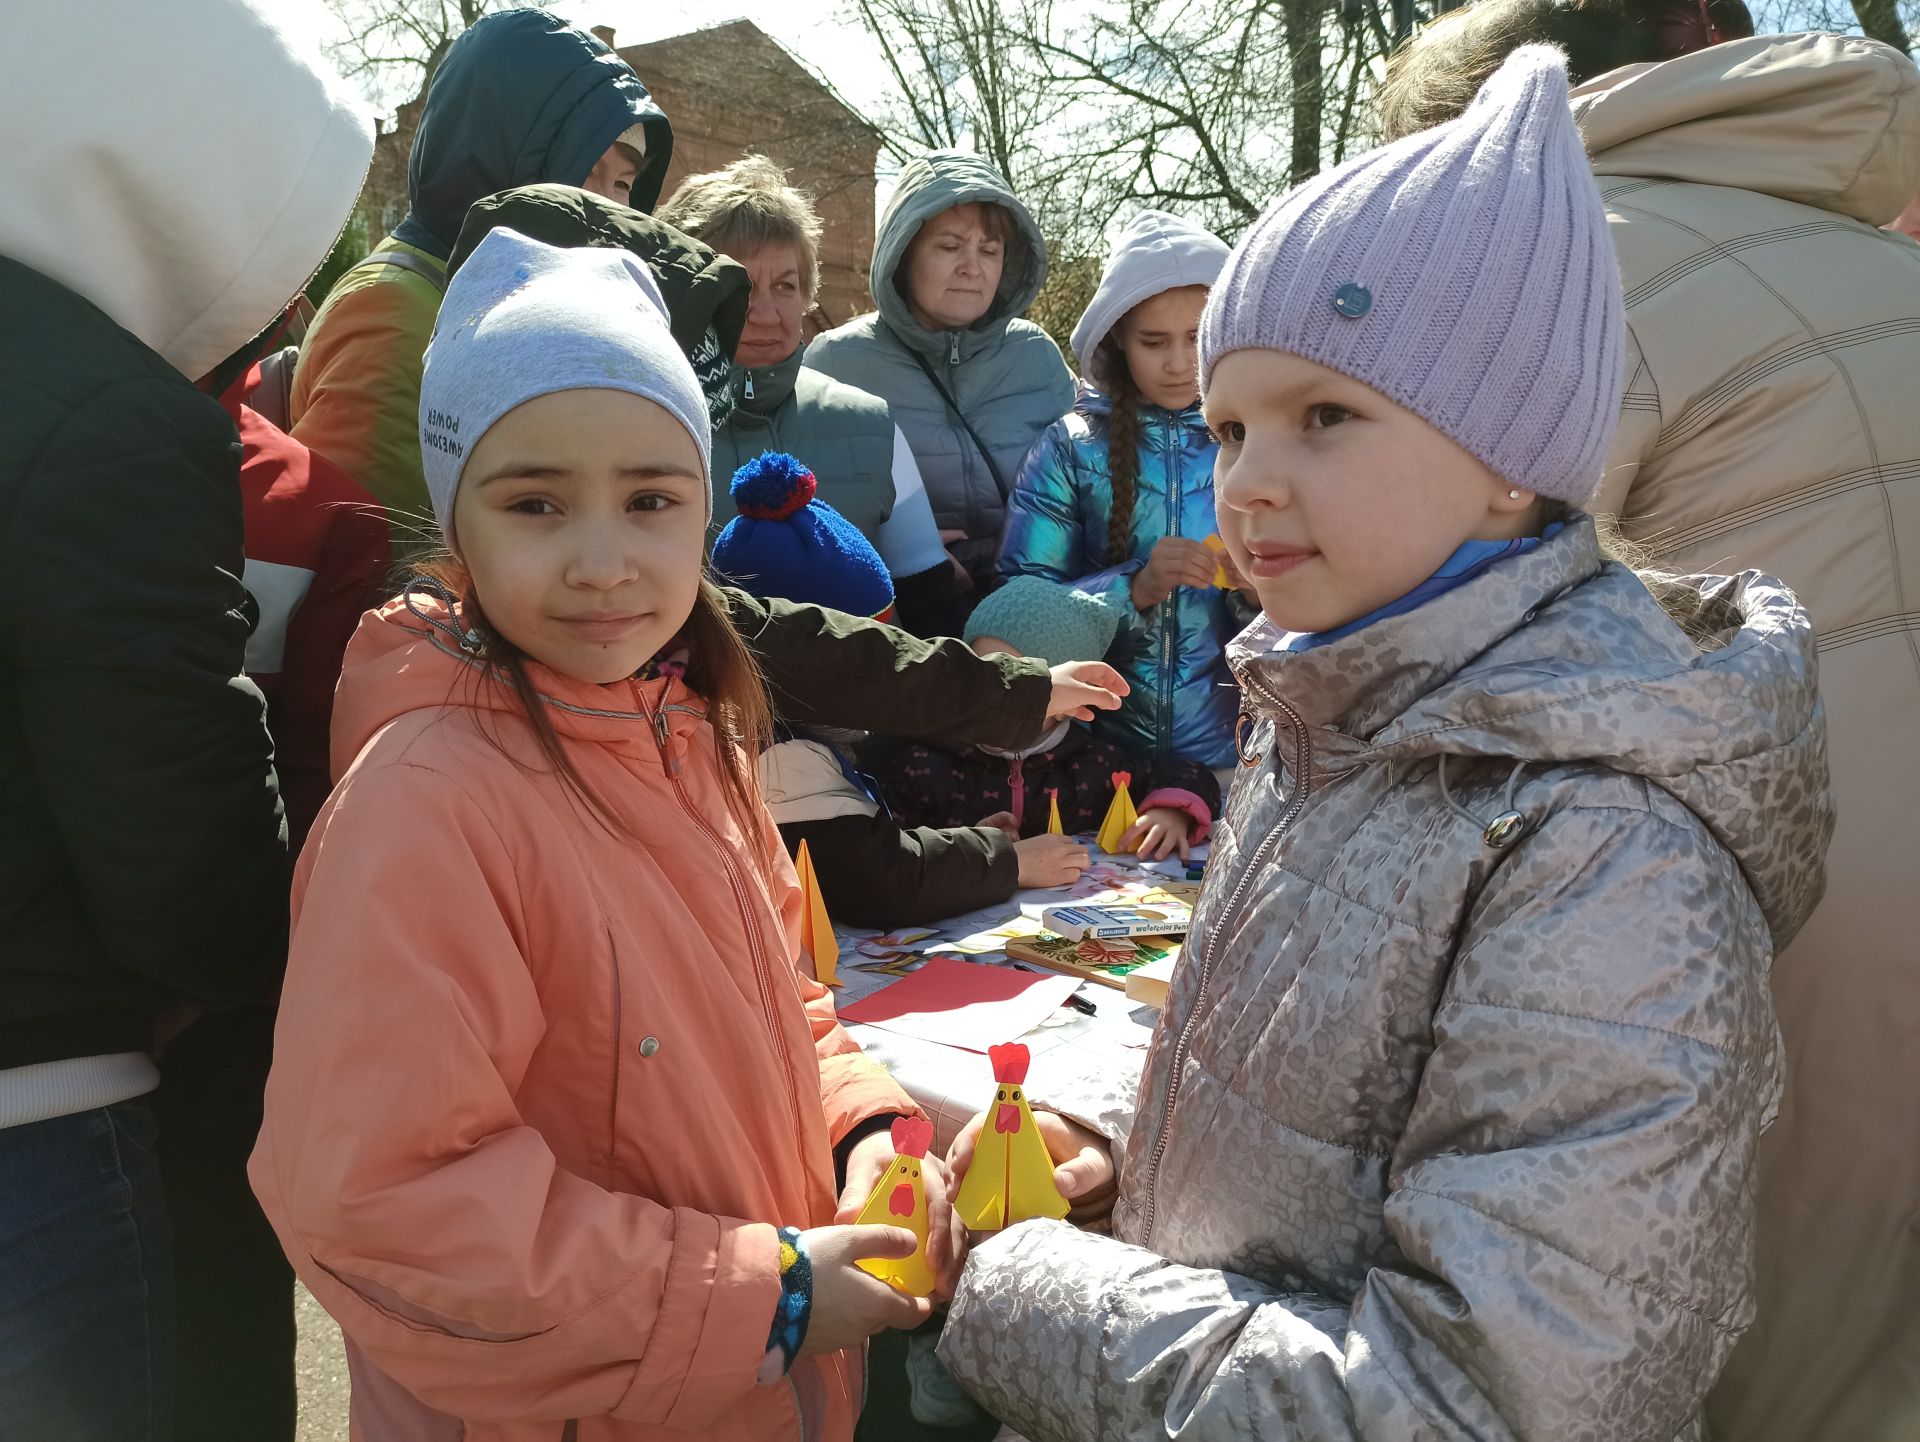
{"x": 1462, "y": 566}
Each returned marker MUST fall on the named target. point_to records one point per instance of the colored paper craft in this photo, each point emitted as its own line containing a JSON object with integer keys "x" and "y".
{"x": 902, "y": 964}
{"x": 900, "y": 1200}
{"x": 1011, "y": 1177}
{"x": 816, "y": 930}
{"x": 1219, "y": 548}
{"x": 962, "y": 1003}
{"x": 894, "y": 942}
{"x": 1120, "y": 815}
{"x": 984, "y": 943}
{"x": 1053, "y": 812}
{"x": 1110, "y": 963}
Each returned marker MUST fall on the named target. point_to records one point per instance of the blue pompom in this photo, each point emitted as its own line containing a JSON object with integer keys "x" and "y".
{"x": 772, "y": 486}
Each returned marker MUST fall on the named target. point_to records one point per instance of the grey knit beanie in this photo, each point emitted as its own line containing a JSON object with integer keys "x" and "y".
{"x": 522, "y": 319}
{"x": 1464, "y": 273}
{"x": 1046, "y": 619}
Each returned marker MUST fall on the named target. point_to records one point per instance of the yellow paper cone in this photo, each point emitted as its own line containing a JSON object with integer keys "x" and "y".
{"x": 1120, "y": 815}
{"x": 816, "y": 930}
{"x": 1218, "y": 547}
{"x": 1053, "y": 813}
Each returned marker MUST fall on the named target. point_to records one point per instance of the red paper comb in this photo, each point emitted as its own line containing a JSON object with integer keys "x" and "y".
{"x": 1010, "y": 1062}
{"x": 911, "y": 1136}
{"x": 1123, "y": 778}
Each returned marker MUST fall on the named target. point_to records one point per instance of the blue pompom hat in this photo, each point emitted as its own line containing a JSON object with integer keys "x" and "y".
{"x": 786, "y": 544}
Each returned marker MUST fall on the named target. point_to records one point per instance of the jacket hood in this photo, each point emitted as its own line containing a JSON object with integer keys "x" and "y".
{"x": 523, "y": 97}
{"x": 928, "y": 185}
{"x": 1156, "y": 252}
{"x": 706, "y": 292}
{"x": 1560, "y": 656}
{"x": 1830, "y": 121}
{"x": 105, "y": 185}
{"x": 406, "y": 657}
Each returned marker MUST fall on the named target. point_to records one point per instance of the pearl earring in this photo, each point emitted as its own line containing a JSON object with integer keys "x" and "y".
{"x": 1513, "y": 495}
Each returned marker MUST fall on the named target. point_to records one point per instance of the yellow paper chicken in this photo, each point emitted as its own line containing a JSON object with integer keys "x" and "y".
{"x": 1120, "y": 815}
{"x": 900, "y": 1200}
{"x": 1011, "y": 1179}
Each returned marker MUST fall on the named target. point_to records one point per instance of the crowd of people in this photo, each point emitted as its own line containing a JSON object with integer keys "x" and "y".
{"x": 410, "y": 712}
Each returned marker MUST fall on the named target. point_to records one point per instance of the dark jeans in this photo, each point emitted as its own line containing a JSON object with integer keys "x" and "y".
{"x": 235, "y": 1381}
{"x": 86, "y": 1280}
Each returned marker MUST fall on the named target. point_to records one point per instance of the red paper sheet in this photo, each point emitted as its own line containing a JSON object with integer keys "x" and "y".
{"x": 963, "y": 1004}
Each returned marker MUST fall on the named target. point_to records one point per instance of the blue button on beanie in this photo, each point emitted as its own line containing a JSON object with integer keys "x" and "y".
{"x": 786, "y": 544}
{"x": 1465, "y": 273}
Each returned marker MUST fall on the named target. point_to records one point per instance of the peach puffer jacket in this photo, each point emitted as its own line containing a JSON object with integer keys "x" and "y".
{"x": 542, "y": 1093}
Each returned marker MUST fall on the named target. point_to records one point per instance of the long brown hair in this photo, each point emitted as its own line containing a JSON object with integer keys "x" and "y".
{"x": 1123, "y": 446}
{"x": 720, "y": 669}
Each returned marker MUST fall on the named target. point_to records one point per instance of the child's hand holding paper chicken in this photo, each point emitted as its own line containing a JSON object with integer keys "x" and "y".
{"x": 919, "y": 1203}
{"x": 1083, "y": 1170}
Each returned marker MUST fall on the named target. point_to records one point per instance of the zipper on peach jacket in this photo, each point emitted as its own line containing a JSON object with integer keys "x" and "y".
{"x": 742, "y": 897}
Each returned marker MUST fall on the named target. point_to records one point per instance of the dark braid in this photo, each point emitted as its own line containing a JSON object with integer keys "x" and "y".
{"x": 1123, "y": 448}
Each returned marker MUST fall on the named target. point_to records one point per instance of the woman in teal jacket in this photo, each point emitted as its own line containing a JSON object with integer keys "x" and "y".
{"x": 1116, "y": 498}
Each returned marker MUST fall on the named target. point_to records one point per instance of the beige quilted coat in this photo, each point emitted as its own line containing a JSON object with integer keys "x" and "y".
{"x": 1772, "y": 420}
{"x": 1447, "y": 1131}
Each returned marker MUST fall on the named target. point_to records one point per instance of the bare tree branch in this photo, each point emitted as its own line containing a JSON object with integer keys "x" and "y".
{"x": 399, "y": 43}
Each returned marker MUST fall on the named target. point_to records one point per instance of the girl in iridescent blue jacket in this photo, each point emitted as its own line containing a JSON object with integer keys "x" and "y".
{"x": 1116, "y": 497}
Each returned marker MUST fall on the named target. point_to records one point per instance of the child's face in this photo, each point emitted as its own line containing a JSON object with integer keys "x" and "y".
{"x": 581, "y": 516}
{"x": 614, "y": 173}
{"x": 1332, "y": 499}
{"x": 994, "y": 646}
{"x": 1161, "y": 341}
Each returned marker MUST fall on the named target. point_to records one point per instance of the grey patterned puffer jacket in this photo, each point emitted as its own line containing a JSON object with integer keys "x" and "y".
{"x": 1448, "y": 1129}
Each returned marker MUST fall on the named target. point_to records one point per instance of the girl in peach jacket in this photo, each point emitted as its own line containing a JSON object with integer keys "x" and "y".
{"x": 555, "y": 1116}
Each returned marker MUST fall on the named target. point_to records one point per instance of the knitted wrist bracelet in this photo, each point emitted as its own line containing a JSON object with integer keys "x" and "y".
{"x": 790, "y": 1318}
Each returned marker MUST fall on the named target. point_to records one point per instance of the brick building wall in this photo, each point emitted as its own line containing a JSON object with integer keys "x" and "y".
{"x": 729, "y": 91}
{"x": 734, "y": 90}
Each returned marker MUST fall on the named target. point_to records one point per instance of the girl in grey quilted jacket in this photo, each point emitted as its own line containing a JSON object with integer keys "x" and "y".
{"x": 1447, "y": 1130}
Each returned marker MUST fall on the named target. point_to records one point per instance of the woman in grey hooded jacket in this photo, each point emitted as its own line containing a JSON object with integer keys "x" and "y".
{"x": 957, "y": 261}
{"x": 1447, "y": 1131}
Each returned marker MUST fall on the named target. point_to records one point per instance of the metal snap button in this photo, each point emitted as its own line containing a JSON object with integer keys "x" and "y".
{"x": 1504, "y": 830}
{"x": 649, "y": 1045}
{"x": 1353, "y": 301}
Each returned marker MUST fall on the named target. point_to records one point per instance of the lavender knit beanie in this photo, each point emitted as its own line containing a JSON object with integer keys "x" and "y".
{"x": 1465, "y": 273}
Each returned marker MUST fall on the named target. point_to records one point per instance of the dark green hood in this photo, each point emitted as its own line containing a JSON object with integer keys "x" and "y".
{"x": 929, "y": 184}
{"x": 522, "y": 97}
{"x": 705, "y": 292}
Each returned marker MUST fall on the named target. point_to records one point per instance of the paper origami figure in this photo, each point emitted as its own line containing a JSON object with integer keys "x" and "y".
{"x": 900, "y": 1200}
{"x": 1120, "y": 815}
{"x": 1011, "y": 1179}
{"x": 1219, "y": 548}
{"x": 1106, "y": 951}
{"x": 1053, "y": 812}
{"x": 816, "y": 931}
